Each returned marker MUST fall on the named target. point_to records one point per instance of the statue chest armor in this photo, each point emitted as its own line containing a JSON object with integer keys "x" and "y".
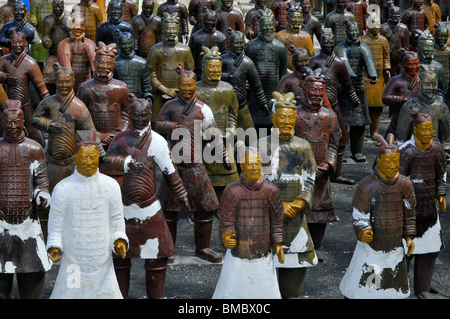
{"x": 340, "y": 32}
{"x": 443, "y": 56}
{"x": 105, "y": 110}
{"x": 267, "y": 65}
{"x": 91, "y": 24}
{"x": 147, "y": 39}
{"x": 170, "y": 59}
{"x": 357, "y": 10}
{"x": 15, "y": 186}
{"x": 62, "y": 145}
{"x": 417, "y": 22}
{"x": 44, "y": 8}
{"x": 128, "y": 72}
{"x": 79, "y": 61}
{"x": 376, "y": 47}
{"x": 218, "y": 101}
{"x": 58, "y": 33}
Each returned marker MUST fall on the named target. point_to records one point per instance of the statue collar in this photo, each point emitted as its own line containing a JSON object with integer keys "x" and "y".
{"x": 281, "y": 138}
{"x": 223, "y": 8}
{"x": 101, "y": 79}
{"x": 147, "y": 20}
{"x": 84, "y": 178}
{"x": 306, "y": 105}
{"x": 253, "y": 186}
{"x": 265, "y": 38}
{"x": 423, "y": 99}
{"x": 18, "y": 59}
{"x": 388, "y": 181}
{"x": 127, "y": 56}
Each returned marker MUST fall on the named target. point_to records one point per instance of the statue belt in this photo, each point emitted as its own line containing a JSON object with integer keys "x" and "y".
{"x": 60, "y": 162}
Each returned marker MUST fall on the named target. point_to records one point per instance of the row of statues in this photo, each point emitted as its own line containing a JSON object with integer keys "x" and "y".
{"x": 91, "y": 128}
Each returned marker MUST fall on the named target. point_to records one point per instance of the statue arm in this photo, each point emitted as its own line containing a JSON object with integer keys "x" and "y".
{"x": 310, "y": 167}
{"x": 409, "y": 216}
{"x": 125, "y": 120}
{"x": 65, "y": 54}
{"x": 276, "y": 217}
{"x": 56, "y": 220}
{"x": 46, "y": 39}
{"x": 34, "y": 6}
{"x": 117, "y": 221}
{"x": 368, "y": 62}
{"x": 38, "y": 82}
{"x": 227, "y": 211}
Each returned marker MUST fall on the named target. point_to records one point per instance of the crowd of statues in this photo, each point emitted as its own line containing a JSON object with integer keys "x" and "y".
{"x": 244, "y": 120}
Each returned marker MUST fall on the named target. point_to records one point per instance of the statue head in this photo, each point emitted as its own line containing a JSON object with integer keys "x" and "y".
{"x": 78, "y": 24}
{"x": 314, "y": 87}
{"x": 300, "y": 58}
{"x": 327, "y": 42}
{"x": 211, "y": 63}
{"x": 170, "y": 25}
{"x": 19, "y": 11}
{"x": 410, "y": 62}
{"x": 140, "y": 112}
{"x": 352, "y": 30}
{"x": 394, "y": 14}
{"x": 13, "y": 118}
{"x": 422, "y": 128}
{"x": 266, "y": 22}
{"x": 250, "y": 162}
{"x": 341, "y": 5}
{"x": 388, "y": 157}
{"x": 306, "y": 6}
{"x": 187, "y": 83}
{"x": 237, "y": 41}
{"x": 227, "y": 3}
{"x": 261, "y": 4}
{"x": 147, "y": 7}
{"x": 64, "y": 79}
{"x": 284, "y": 113}
{"x": 425, "y": 45}
{"x": 125, "y": 42}
{"x": 105, "y": 59}
{"x": 87, "y": 155}
{"x": 209, "y": 20}
{"x": 374, "y": 24}
{"x": 417, "y": 4}
{"x": 428, "y": 81}
{"x": 440, "y": 34}
{"x": 18, "y": 41}
{"x": 115, "y": 11}
{"x": 58, "y": 7}
{"x": 295, "y": 17}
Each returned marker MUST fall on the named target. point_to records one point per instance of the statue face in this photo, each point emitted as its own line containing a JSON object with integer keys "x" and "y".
{"x": 140, "y": 116}
{"x": 209, "y": 21}
{"x": 115, "y": 13}
{"x": 295, "y": 20}
{"x": 341, "y": 5}
{"x": 374, "y": 31}
{"x": 227, "y": 3}
{"x": 19, "y": 11}
{"x": 328, "y": 44}
{"x": 429, "y": 85}
{"x": 424, "y": 132}
{"x": 440, "y": 37}
{"x": 301, "y": 62}
{"x": 284, "y": 120}
{"x": 306, "y": 6}
{"x": 267, "y": 27}
{"x": 104, "y": 65}
{"x": 187, "y": 87}
{"x": 126, "y": 44}
{"x": 394, "y": 15}
{"x": 252, "y": 167}
{"x": 87, "y": 159}
{"x": 78, "y": 28}
{"x": 388, "y": 164}
{"x": 261, "y": 3}
{"x": 58, "y": 7}
{"x": 147, "y": 8}
{"x": 13, "y": 123}
{"x": 315, "y": 92}
{"x": 353, "y": 33}
{"x": 214, "y": 69}
{"x": 170, "y": 33}
{"x": 411, "y": 66}
{"x": 237, "y": 44}
{"x": 64, "y": 83}
{"x": 18, "y": 43}
{"x": 417, "y": 4}
{"x": 426, "y": 49}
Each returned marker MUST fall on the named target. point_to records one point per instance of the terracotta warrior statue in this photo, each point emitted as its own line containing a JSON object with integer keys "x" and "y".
{"x": 427, "y": 101}
{"x": 379, "y": 46}
{"x": 401, "y": 88}
{"x": 163, "y": 59}
{"x": 61, "y": 116}
{"x": 398, "y": 37}
{"x": 228, "y": 17}
{"x": 38, "y": 10}
{"x": 135, "y": 152}
{"x": 86, "y": 228}
{"x": 17, "y": 71}
{"x": 221, "y": 98}
{"x": 24, "y": 188}
{"x": 358, "y": 59}
{"x": 106, "y": 98}
{"x": 252, "y": 233}
{"x": 131, "y": 68}
{"x": 336, "y": 75}
{"x": 383, "y": 216}
{"x": 93, "y": 16}
{"x": 187, "y": 116}
{"x": 359, "y": 10}
{"x": 280, "y": 11}
{"x": 78, "y": 52}
{"x": 293, "y": 35}
{"x": 147, "y": 28}
{"x": 240, "y": 71}
{"x": 291, "y": 166}
{"x": 423, "y": 161}
{"x": 55, "y": 28}
{"x": 270, "y": 58}
{"x": 442, "y": 50}
{"x": 6, "y": 14}
{"x": 310, "y": 23}
{"x": 174, "y": 6}
{"x": 251, "y": 21}
{"x": 207, "y": 36}
{"x": 196, "y": 9}
{"x": 415, "y": 18}
{"x": 335, "y": 21}
{"x": 130, "y": 10}
{"x": 319, "y": 126}
{"x": 106, "y": 31}
{"x": 433, "y": 13}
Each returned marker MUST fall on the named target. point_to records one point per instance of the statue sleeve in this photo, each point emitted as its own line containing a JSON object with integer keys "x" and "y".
{"x": 227, "y": 211}
{"x": 56, "y": 219}
{"x": 444, "y": 127}
{"x": 441, "y": 169}
{"x": 368, "y": 61}
{"x": 309, "y": 167}
{"x": 276, "y": 217}
{"x": 361, "y": 208}
{"x": 409, "y": 216}
{"x": 404, "y": 123}
{"x": 46, "y": 26}
{"x": 34, "y": 6}
{"x": 65, "y": 54}
{"x": 117, "y": 222}
{"x": 41, "y": 182}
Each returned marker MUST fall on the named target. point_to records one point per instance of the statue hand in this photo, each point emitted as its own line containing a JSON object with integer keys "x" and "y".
{"x": 293, "y": 208}
{"x": 229, "y": 240}
{"x": 410, "y": 245}
{"x": 366, "y": 236}
{"x": 183, "y": 204}
{"x": 106, "y": 138}
{"x": 55, "y": 128}
{"x": 322, "y": 170}
{"x": 442, "y": 204}
{"x": 134, "y": 165}
{"x": 120, "y": 247}
{"x": 54, "y": 255}
{"x": 227, "y": 164}
{"x": 280, "y": 252}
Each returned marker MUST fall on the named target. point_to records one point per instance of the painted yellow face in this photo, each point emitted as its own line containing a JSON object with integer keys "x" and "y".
{"x": 388, "y": 164}
{"x": 284, "y": 120}
{"x": 251, "y": 167}
{"x": 87, "y": 159}
{"x": 214, "y": 69}
{"x": 424, "y": 132}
